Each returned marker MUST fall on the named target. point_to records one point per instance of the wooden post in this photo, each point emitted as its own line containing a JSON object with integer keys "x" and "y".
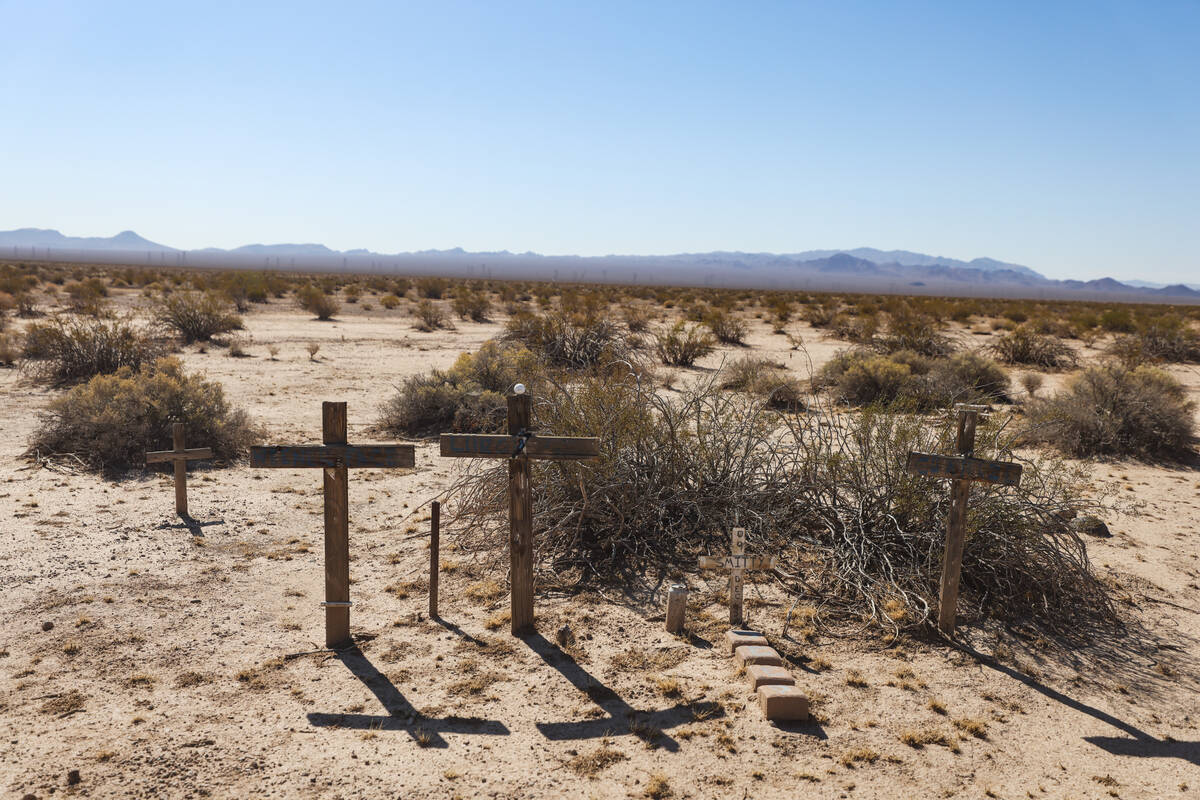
{"x": 956, "y": 525}
{"x": 435, "y": 514}
{"x": 337, "y": 531}
{"x": 520, "y": 517}
{"x": 676, "y": 608}
{"x": 737, "y": 577}
{"x": 178, "y": 443}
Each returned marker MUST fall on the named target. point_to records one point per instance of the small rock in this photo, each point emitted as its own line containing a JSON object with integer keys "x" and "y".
{"x": 73, "y": 778}
{"x": 1092, "y": 526}
{"x": 47, "y": 625}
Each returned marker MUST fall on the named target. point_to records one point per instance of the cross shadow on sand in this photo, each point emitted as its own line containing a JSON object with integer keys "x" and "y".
{"x": 649, "y": 726}
{"x": 1138, "y": 743}
{"x": 401, "y": 714}
{"x": 186, "y": 521}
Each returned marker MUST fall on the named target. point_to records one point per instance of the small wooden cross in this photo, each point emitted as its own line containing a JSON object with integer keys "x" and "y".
{"x": 180, "y": 455}
{"x": 962, "y": 470}
{"x": 737, "y": 562}
{"x": 519, "y": 447}
{"x": 335, "y": 457}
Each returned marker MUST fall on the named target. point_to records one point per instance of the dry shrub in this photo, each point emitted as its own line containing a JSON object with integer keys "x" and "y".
{"x": 430, "y": 316}
{"x": 472, "y": 305}
{"x": 765, "y": 379}
{"x": 570, "y": 341}
{"x": 63, "y": 350}
{"x": 432, "y": 288}
{"x": 469, "y": 397}
{"x": 389, "y": 301}
{"x": 914, "y": 382}
{"x": 915, "y": 332}
{"x": 826, "y": 493}
{"x": 728, "y": 329}
{"x": 1024, "y": 345}
{"x": 1112, "y": 410}
{"x": 682, "y": 344}
{"x": 1167, "y": 338}
{"x": 112, "y": 420}
{"x": 317, "y": 301}
{"x": 10, "y": 349}
{"x": 196, "y": 316}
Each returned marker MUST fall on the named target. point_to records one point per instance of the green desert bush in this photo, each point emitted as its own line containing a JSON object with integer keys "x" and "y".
{"x": 196, "y": 316}
{"x": 430, "y": 316}
{"x": 432, "y": 288}
{"x": 1024, "y": 345}
{"x": 727, "y": 327}
{"x": 1113, "y": 410}
{"x": 914, "y": 382}
{"x": 67, "y": 349}
{"x": 570, "y": 341}
{"x": 682, "y": 344}
{"x": 915, "y": 332}
{"x": 317, "y": 301}
{"x": 825, "y": 493}
{"x": 469, "y": 397}
{"x": 472, "y": 305}
{"x": 1166, "y": 338}
{"x": 111, "y": 421}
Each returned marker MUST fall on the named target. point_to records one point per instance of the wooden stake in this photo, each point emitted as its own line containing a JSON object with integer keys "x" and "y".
{"x": 337, "y": 531}
{"x": 520, "y": 518}
{"x": 956, "y": 526}
{"x": 676, "y": 608}
{"x": 178, "y": 443}
{"x": 435, "y": 514}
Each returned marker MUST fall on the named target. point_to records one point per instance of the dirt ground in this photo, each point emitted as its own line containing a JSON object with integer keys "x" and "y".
{"x": 158, "y": 658}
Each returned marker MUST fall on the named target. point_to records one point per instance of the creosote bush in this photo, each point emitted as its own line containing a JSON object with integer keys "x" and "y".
{"x": 826, "y": 493}
{"x": 112, "y": 420}
{"x": 573, "y": 341}
{"x": 317, "y": 301}
{"x": 196, "y": 316}
{"x": 1112, "y": 410}
{"x": 62, "y": 350}
{"x": 765, "y": 379}
{"x": 728, "y": 329}
{"x": 1168, "y": 338}
{"x": 1024, "y": 345}
{"x": 914, "y": 382}
{"x": 682, "y": 344}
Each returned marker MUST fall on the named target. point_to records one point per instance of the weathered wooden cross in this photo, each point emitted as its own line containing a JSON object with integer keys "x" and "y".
{"x": 519, "y": 447}
{"x": 335, "y": 457}
{"x": 962, "y": 470}
{"x": 180, "y": 455}
{"x": 737, "y": 562}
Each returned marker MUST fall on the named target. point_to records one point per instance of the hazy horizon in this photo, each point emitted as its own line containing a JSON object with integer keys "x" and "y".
{"x": 1063, "y": 138}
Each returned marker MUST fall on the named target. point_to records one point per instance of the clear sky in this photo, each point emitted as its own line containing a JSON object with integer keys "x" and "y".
{"x": 1060, "y": 135}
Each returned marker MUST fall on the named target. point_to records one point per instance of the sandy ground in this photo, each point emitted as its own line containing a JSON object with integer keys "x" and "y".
{"x": 165, "y": 672}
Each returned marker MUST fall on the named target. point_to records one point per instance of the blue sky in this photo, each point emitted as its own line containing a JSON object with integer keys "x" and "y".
{"x": 1064, "y": 136}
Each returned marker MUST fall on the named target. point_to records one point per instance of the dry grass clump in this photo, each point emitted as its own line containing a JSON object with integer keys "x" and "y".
{"x": 918, "y": 739}
{"x": 683, "y": 344}
{"x": 196, "y": 316}
{"x": 658, "y": 787}
{"x": 317, "y": 301}
{"x": 826, "y": 493}
{"x": 1025, "y": 345}
{"x": 64, "y": 704}
{"x": 468, "y": 397}
{"x": 766, "y": 379}
{"x": 64, "y": 350}
{"x": 591, "y": 764}
{"x": 112, "y": 420}
{"x": 1112, "y": 410}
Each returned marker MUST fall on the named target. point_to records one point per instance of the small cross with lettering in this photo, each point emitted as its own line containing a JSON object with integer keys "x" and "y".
{"x": 737, "y": 562}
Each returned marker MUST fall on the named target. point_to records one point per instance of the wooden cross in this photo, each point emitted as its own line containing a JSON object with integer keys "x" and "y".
{"x": 962, "y": 470}
{"x": 519, "y": 447}
{"x": 180, "y": 455}
{"x": 335, "y": 457}
{"x": 737, "y": 562}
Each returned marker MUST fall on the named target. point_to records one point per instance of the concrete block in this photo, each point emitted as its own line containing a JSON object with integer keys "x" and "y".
{"x": 736, "y": 639}
{"x": 761, "y": 675}
{"x": 753, "y": 654}
{"x": 783, "y": 703}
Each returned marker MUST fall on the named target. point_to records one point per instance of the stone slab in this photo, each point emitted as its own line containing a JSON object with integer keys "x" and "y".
{"x": 783, "y": 703}
{"x": 760, "y": 675}
{"x": 736, "y": 638}
{"x": 756, "y": 654}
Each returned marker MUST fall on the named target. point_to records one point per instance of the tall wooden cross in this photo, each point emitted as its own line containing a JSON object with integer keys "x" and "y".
{"x": 335, "y": 457}
{"x": 737, "y": 562}
{"x": 519, "y": 447}
{"x": 180, "y": 455}
{"x": 962, "y": 470}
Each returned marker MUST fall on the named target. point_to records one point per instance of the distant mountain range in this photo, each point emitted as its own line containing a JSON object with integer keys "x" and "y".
{"x": 858, "y": 269}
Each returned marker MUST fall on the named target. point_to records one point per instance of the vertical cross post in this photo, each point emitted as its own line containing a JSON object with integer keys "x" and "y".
{"x": 337, "y": 530}
{"x": 178, "y": 443}
{"x": 737, "y": 577}
{"x": 956, "y": 524}
{"x": 520, "y": 517}
{"x": 435, "y": 514}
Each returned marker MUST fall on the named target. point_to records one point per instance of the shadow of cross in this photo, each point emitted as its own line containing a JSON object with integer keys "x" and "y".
{"x": 622, "y": 718}
{"x": 401, "y": 715}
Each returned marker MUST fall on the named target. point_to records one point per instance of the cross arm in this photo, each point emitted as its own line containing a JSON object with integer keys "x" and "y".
{"x": 737, "y": 562}
{"x": 553, "y": 448}
{"x": 156, "y": 456}
{"x": 930, "y": 465}
{"x": 332, "y": 455}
